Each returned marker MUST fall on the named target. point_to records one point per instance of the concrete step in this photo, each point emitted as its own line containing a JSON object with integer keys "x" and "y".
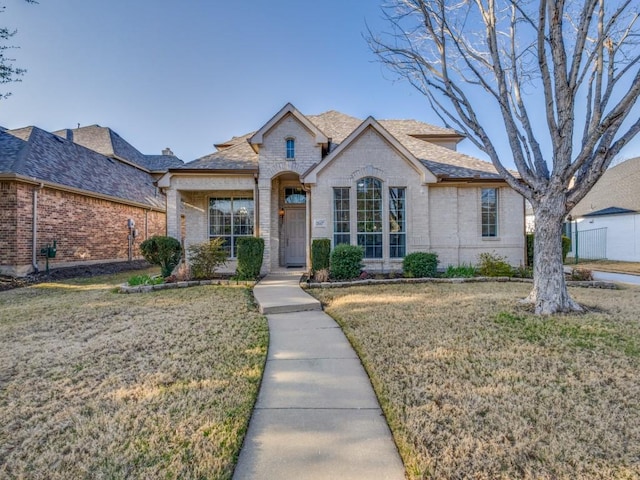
{"x": 281, "y": 293}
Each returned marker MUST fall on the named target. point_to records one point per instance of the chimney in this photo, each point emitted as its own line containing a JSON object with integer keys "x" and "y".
{"x": 167, "y": 151}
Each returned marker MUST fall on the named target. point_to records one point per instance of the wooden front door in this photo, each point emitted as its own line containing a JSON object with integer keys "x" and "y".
{"x": 294, "y": 237}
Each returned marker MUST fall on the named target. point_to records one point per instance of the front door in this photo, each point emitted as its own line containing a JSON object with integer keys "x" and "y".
{"x": 294, "y": 237}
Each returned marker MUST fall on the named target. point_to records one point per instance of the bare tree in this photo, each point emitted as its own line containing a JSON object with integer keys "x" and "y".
{"x": 564, "y": 79}
{"x": 8, "y": 71}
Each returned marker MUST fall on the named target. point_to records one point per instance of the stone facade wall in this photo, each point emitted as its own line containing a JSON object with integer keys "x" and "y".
{"x": 273, "y": 150}
{"x": 442, "y": 219}
{"x": 273, "y": 163}
{"x": 86, "y": 229}
{"x": 456, "y": 229}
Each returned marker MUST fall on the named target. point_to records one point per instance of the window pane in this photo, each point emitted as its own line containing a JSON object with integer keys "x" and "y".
{"x": 489, "y": 212}
{"x": 295, "y": 196}
{"x": 341, "y": 216}
{"x": 230, "y": 218}
{"x": 291, "y": 148}
{"x": 397, "y": 225}
{"x": 369, "y": 216}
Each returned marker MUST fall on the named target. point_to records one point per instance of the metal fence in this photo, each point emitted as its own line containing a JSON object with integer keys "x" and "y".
{"x": 589, "y": 244}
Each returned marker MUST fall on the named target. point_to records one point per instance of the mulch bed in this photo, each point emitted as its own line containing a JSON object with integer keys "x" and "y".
{"x": 80, "y": 271}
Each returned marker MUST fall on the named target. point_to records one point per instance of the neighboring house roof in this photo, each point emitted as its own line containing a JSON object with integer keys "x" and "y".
{"x": 610, "y": 211}
{"x": 618, "y": 187}
{"x": 336, "y": 126}
{"x": 35, "y": 154}
{"x": 107, "y": 142}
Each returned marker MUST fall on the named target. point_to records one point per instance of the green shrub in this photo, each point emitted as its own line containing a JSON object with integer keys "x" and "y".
{"x": 320, "y": 254}
{"x": 206, "y": 257}
{"x": 523, "y": 272}
{"x": 250, "y": 253}
{"x": 346, "y": 262}
{"x": 493, "y": 265}
{"x": 530, "y": 237}
{"x": 163, "y": 251}
{"x": 144, "y": 280}
{"x": 420, "y": 264}
{"x": 461, "y": 271}
{"x": 566, "y": 247}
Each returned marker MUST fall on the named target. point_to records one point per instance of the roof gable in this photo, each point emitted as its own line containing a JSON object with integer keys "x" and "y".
{"x": 618, "y": 187}
{"x": 371, "y": 123}
{"x": 257, "y": 138}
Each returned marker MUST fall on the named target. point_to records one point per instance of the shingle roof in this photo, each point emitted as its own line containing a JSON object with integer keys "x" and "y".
{"x": 43, "y": 156}
{"x": 107, "y": 142}
{"x": 162, "y": 163}
{"x": 238, "y": 156}
{"x": 609, "y": 211}
{"x": 443, "y": 162}
{"x": 335, "y": 125}
{"x": 618, "y": 187}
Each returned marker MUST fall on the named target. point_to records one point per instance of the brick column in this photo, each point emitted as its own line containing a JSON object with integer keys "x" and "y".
{"x": 264, "y": 189}
{"x": 173, "y": 213}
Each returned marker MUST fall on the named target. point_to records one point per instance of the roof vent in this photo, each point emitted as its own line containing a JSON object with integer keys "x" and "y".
{"x": 167, "y": 151}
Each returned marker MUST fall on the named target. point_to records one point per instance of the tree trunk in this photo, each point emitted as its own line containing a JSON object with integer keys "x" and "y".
{"x": 549, "y": 292}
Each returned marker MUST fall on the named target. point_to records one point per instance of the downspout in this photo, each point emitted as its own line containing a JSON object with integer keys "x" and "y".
{"x": 34, "y": 232}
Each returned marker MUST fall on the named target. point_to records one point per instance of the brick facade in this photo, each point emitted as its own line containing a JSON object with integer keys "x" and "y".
{"x": 86, "y": 229}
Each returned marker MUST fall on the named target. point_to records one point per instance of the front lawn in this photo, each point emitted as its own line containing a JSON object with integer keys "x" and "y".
{"x": 95, "y": 384}
{"x": 476, "y": 387}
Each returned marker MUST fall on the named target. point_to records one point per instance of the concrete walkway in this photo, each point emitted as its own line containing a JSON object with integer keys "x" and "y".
{"x": 617, "y": 277}
{"x": 316, "y": 416}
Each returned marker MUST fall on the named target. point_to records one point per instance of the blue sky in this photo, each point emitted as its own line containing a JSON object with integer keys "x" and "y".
{"x": 190, "y": 74}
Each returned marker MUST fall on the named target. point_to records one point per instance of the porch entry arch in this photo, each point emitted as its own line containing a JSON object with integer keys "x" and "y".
{"x": 292, "y": 221}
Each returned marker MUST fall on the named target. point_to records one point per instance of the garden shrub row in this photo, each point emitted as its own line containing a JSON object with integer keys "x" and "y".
{"x": 204, "y": 258}
{"x": 345, "y": 262}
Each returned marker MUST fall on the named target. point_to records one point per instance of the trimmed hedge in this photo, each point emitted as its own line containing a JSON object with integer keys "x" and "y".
{"x": 163, "y": 251}
{"x": 250, "y": 253}
{"x": 320, "y": 254}
{"x": 566, "y": 248}
{"x": 346, "y": 261}
{"x": 420, "y": 264}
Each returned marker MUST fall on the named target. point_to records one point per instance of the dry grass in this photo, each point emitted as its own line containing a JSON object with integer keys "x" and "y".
{"x": 475, "y": 387}
{"x": 95, "y": 384}
{"x": 607, "y": 266}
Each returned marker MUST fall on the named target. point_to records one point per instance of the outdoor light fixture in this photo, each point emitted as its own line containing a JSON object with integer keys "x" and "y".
{"x": 281, "y": 212}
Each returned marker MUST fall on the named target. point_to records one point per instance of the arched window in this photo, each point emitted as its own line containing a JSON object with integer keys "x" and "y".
{"x": 291, "y": 148}
{"x": 369, "y": 216}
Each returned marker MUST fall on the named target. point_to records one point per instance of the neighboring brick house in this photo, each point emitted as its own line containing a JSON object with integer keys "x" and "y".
{"x": 391, "y": 186}
{"x": 78, "y": 187}
{"x": 608, "y": 217}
